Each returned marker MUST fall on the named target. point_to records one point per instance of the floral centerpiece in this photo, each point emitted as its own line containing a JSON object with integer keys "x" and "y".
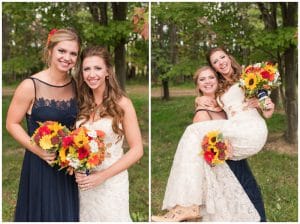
{"x": 49, "y": 135}
{"x": 82, "y": 149}
{"x": 259, "y": 79}
{"x": 214, "y": 148}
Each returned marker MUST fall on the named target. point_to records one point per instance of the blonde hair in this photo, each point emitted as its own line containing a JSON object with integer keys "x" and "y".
{"x": 235, "y": 76}
{"x": 112, "y": 94}
{"x": 56, "y": 36}
{"x": 198, "y": 72}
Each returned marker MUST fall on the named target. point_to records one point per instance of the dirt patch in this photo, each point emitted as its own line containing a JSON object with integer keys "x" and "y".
{"x": 7, "y": 91}
{"x": 137, "y": 89}
{"x": 277, "y": 143}
{"x": 157, "y": 92}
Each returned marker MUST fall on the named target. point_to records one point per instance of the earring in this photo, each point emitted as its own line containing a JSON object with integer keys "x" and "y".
{"x": 106, "y": 77}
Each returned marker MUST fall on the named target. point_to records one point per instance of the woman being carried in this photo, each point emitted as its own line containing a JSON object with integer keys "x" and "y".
{"x": 216, "y": 190}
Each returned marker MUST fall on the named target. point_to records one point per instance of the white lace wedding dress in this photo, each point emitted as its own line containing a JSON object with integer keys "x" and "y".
{"x": 216, "y": 189}
{"x": 108, "y": 202}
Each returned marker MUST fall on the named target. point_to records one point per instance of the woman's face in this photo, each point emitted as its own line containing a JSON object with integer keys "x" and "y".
{"x": 94, "y": 72}
{"x": 207, "y": 82}
{"x": 64, "y": 55}
{"x": 221, "y": 62}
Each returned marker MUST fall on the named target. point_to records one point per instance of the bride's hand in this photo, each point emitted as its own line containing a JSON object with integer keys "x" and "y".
{"x": 204, "y": 102}
{"x": 87, "y": 182}
{"x": 252, "y": 103}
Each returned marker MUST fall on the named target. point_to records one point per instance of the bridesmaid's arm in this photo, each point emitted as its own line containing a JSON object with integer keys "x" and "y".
{"x": 201, "y": 116}
{"x": 20, "y": 104}
{"x": 135, "y": 152}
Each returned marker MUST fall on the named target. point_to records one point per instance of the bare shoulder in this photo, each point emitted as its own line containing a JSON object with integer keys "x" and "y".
{"x": 200, "y": 116}
{"x": 125, "y": 102}
{"x": 39, "y": 75}
{"x": 25, "y": 87}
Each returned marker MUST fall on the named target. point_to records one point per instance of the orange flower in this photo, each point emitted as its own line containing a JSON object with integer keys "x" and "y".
{"x": 51, "y": 33}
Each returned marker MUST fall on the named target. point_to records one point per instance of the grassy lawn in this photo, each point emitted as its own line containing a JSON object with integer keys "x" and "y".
{"x": 276, "y": 173}
{"x": 12, "y": 157}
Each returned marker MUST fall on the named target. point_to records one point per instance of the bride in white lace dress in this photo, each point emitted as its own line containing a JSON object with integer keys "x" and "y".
{"x": 104, "y": 193}
{"x": 192, "y": 182}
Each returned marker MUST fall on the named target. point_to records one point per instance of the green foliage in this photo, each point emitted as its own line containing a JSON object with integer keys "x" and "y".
{"x": 199, "y": 26}
{"x": 27, "y": 26}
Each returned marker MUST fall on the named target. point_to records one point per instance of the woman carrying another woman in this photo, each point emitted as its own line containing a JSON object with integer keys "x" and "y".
{"x": 104, "y": 193}
{"x": 216, "y": 191}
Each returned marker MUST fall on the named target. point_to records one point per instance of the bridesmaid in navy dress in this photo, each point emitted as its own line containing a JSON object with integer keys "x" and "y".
{"x": 46, "y": 194}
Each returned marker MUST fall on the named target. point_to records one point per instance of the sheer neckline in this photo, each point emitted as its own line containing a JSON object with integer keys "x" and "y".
{"x": 58, "y": 86}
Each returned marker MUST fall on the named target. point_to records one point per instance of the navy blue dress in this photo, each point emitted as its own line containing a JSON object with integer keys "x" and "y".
{"x": 243, "y": 173}
{"x": 46, "y": 194}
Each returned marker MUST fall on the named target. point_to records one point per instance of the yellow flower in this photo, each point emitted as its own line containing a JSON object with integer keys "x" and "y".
{"x": 251, "y": 81}
{"x": 212, "y": 137}
{"x": 55, "y": 127}
{"x": 72, "y": 150}
{"x": 270, "y": 68}
{"x": 62, "y": 154}
{"x": 45, "y": 142}
{"x": 81, "y": 139}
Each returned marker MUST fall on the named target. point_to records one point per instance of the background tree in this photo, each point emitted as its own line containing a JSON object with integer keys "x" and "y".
{"x": 252, "y": 32}
{"x": 27, "y": 26}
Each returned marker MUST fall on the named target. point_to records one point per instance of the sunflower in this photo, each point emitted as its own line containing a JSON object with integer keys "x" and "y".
{"x": 81, "y": 139}
{"x": 55, "y": 127}
{"x": 45, "y": 142}
{"x": 62, "y": 154}
{"x": 212, "y": 137}
{"x": 251, "y": 81}
{"x": 270, "y": 68}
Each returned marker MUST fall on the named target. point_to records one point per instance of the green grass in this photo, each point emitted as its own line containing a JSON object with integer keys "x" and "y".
{"x": 12, "y": 157}
{"x": 276, "y": 173}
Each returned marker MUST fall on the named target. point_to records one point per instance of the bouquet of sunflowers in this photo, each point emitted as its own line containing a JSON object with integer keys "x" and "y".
{"x": 82, "y": 149}
{"x": 49, "y": 135}
{"x": 214, "y": 148}
{"x": 259, "y": 79}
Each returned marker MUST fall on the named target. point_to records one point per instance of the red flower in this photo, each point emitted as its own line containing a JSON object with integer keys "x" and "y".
{"x": 55, "y": 140}
{"x": 222, "y": 155}
{"x": 208, "y": 156}
{"x": 267, "y": 75}
{"x": 44, "y": 130}
{"x": 221, "y": 145}
{"x": 61, "y": 133}
{"x": 51, "y": 33}
{"x": 37, "y": 138}
{"x": 67, "y": 141}
{"x": 82, "y": 153}
{"x": 100, "y": 134}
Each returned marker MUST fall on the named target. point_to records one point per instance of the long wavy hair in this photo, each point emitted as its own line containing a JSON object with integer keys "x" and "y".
{"x": 112, "y": 93}
{"x": 198, "y": 72}
{"x": 56, "y": 36}
{"x": 235, "y": 76}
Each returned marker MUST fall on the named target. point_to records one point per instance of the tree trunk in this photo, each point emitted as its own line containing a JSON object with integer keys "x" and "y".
{"x": 289, "y": 16}
{"x": 94, "y": 10}
{"x": 166, "y": 93}
{"x": 269, "y": 19}
{"x": 119, "y": 14}
{"x": 103, "y": 13}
